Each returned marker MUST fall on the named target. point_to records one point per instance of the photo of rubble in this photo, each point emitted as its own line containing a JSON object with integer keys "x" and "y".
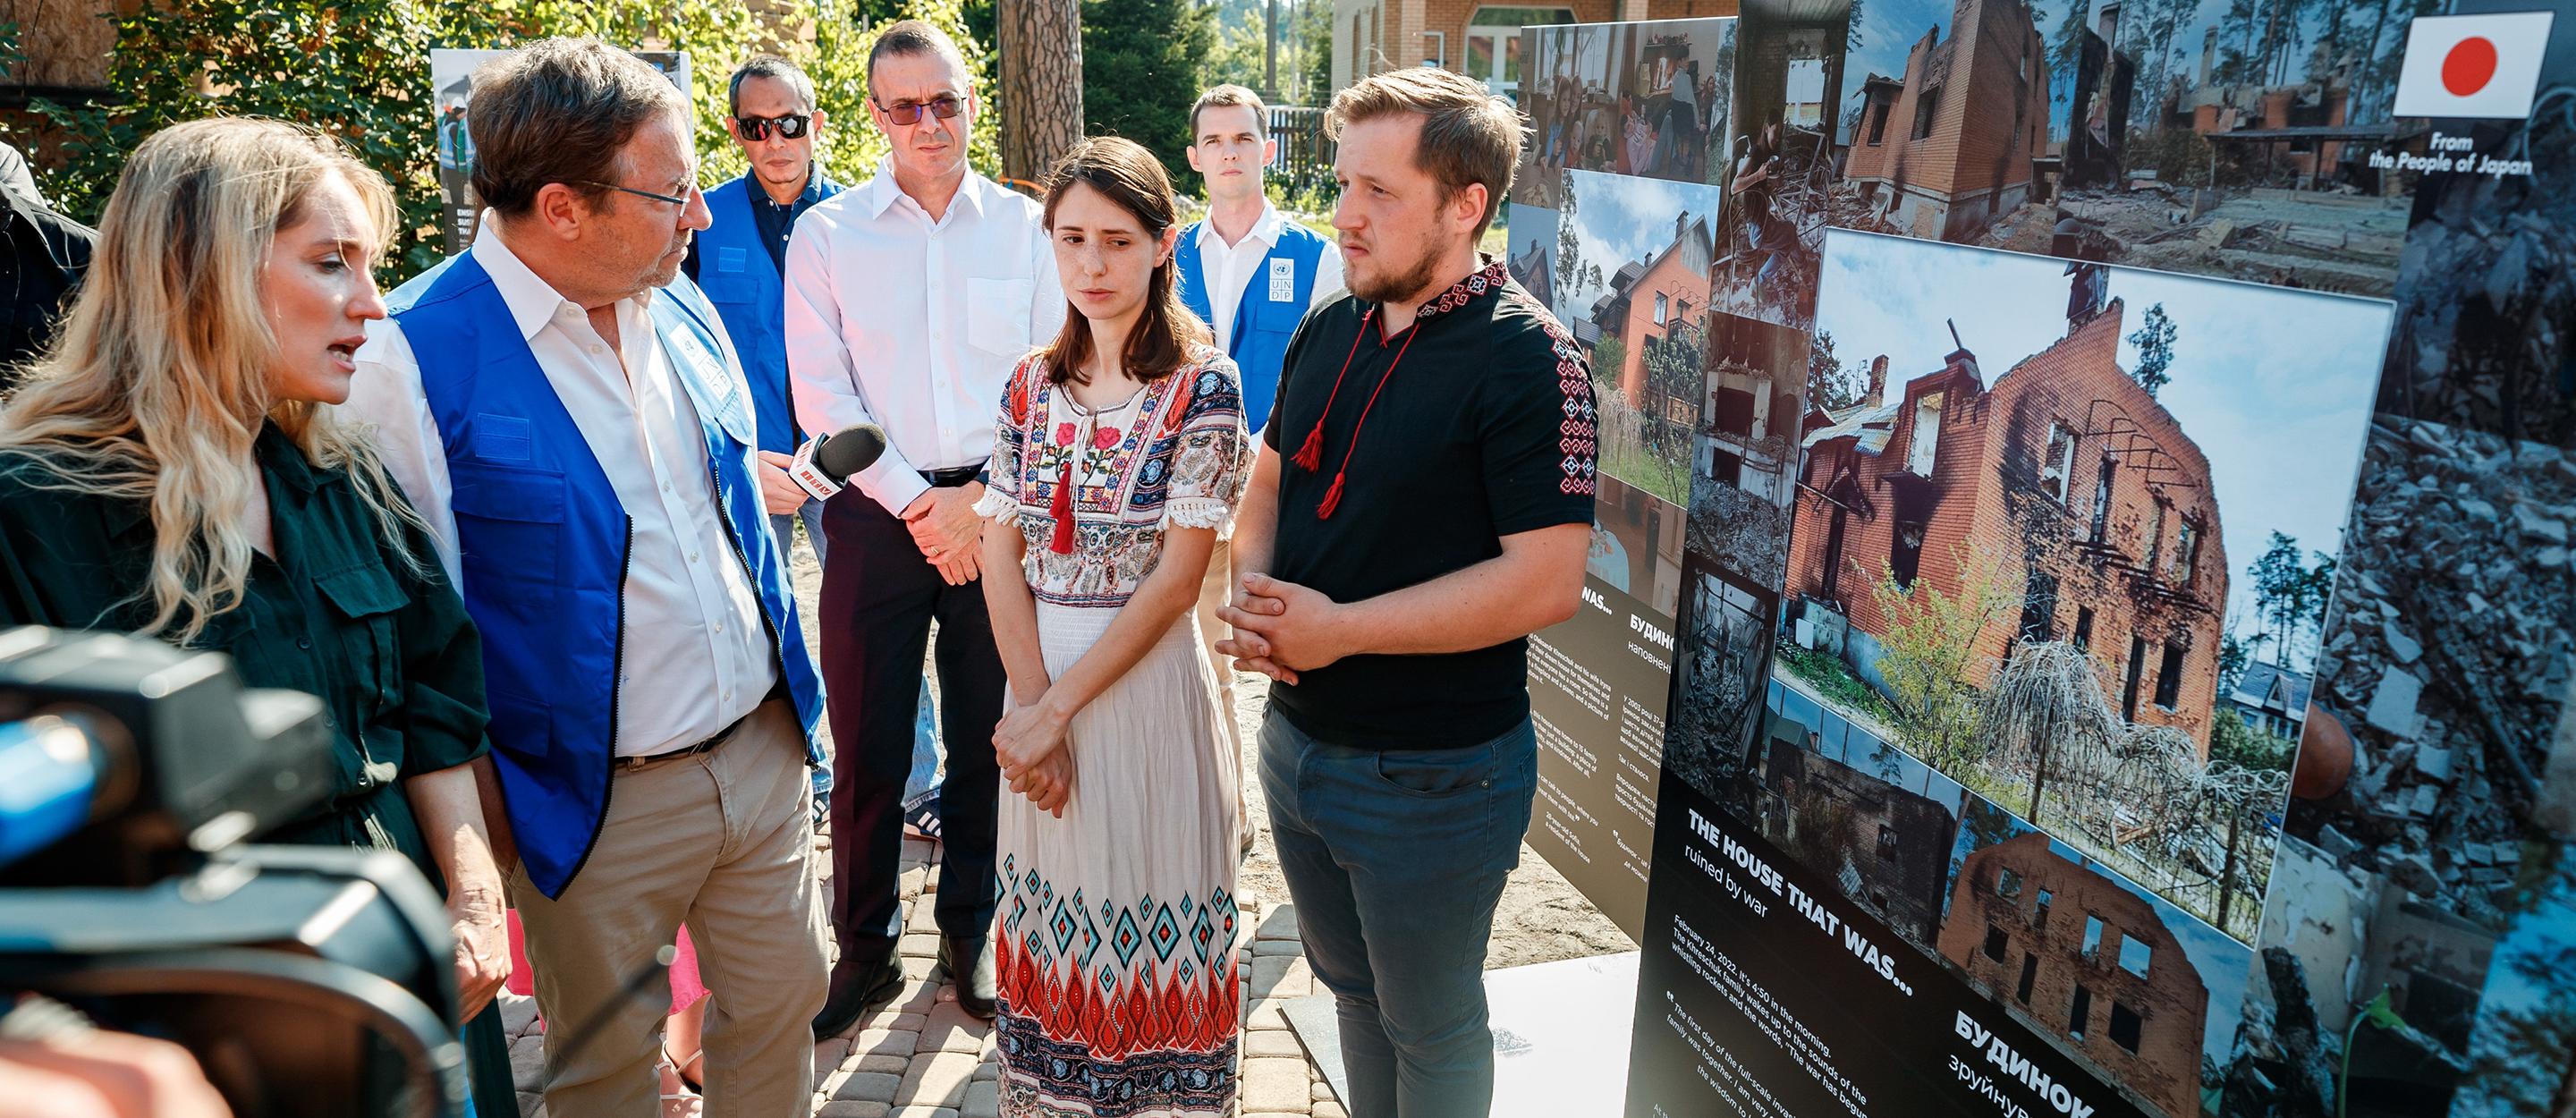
{"x": 2070, "y": 537}
{"x": 2440, "y": 733}
{"x": 2228, "y": 138}
{"x": 2142, "y": 993}
{"x": 2482, "y": 305}
{"x": 1751, "y": 412}
{"x": 1627, "y": 271}
{"x": 1636, "y": 546}
{"x": 1780, "y": 158}
{"x": 1647, "y": 99}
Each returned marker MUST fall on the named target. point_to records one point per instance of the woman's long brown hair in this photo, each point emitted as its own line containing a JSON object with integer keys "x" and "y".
{"x": 1129, "y": 176}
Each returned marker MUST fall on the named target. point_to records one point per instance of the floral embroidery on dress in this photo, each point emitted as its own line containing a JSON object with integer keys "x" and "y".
{"x": 1174, "y": 456}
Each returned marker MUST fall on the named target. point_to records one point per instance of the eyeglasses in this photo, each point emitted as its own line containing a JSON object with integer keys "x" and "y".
{"x": 682, "y": 202}
{"x": 756, "y": 128}
{"x": 943, "y": 107}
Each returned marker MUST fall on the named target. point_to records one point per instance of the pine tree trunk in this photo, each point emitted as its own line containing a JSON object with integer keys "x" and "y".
{"x": 1041, "y": 64}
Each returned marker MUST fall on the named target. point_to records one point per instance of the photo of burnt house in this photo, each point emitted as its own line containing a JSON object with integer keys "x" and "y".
{"x": 1748, "y": 445}
{"x": 2034, "y": 500}
{"x": 1722, "y": 652}
{"x": 2226, "y": 138}
{"x": 1886, "y": 846}
{"x": 2086, "y": 961}
{"x": 1952, "y": 141}
{"x": 2065, "y": 466}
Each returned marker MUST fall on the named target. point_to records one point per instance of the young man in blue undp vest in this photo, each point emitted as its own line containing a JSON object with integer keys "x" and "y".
{"x": 1252, "y": 275}
{"x": 1422, "y": 504}
{"x": 568, "y": 415}
{"x": 740, "y": 262}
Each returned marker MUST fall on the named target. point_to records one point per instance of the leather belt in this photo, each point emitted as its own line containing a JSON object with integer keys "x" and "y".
{"x": 951, "y": 479}
{"x": 630, "y": 764}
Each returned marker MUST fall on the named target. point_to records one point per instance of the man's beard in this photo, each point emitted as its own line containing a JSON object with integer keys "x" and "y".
{"x": 1397, "y": 285}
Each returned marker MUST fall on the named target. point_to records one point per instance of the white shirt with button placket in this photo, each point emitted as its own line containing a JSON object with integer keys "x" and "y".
{"x": 697, "y": 656}
{"x": 914, "y": 324}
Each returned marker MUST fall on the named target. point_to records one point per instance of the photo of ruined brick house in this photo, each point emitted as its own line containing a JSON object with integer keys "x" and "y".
{"x": 2229, "y": 138}
{"x": 1950, "y": 141}
{"x": 2027, "y": 540}
{"x": 2109, "y": 973}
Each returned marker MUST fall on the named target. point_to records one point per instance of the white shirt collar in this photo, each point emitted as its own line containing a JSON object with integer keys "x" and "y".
{"x": 532, "y": 301}
{"x": 1265, "y": 231}
{"x": 882, "y": 191}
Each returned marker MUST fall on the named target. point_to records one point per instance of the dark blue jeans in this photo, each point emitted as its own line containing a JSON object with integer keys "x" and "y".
{"x": 1395, "y": 861}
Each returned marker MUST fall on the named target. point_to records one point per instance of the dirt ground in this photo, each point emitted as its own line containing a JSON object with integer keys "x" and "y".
{"x": 1541, "y": 919}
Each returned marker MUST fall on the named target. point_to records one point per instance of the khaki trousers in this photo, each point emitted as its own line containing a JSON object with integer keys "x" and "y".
{"x": 722, "y": 841}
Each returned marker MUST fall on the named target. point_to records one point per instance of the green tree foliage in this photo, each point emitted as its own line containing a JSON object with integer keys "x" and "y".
{"x": 2154, "y": 338}
{"x": 1609, "y": 356}
{"x": 1141, "y": 61}
{"x": 1829, "y": 386}
{"x": 2231, "y": 740}
{"x": 359, "y": 70}
{"x": 1930, "y": 651}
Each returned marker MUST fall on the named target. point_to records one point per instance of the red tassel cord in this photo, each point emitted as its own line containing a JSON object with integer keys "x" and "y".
{"x": 1310, "y": 455}
{"x": 1061, "y": 509}
{"x": 1333, "y": 496}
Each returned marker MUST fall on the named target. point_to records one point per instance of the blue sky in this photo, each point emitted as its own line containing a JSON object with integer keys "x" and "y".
{"x": 2274, "y": 385}
{"x": 1621, "y": 218}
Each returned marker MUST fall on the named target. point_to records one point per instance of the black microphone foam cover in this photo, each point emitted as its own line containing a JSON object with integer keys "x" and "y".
{"x": 850, "y": 451}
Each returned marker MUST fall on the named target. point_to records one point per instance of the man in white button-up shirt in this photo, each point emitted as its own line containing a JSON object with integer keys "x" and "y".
{"x": 650, "y": 690}
{"x": 909, "y": 299}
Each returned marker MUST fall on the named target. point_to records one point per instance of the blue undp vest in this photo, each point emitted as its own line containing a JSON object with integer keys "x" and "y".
{"x": 543, "y": 545}
{"x": 735, "y": 273}
{"x": 1262, "y": 325}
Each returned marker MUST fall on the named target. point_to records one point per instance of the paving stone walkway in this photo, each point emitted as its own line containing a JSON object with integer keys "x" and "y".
{"x": 923, "y": 1057}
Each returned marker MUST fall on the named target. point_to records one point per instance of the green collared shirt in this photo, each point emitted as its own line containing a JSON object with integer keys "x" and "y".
{"x": 337, "y": 614}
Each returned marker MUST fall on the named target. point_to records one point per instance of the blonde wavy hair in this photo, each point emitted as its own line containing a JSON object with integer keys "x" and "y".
{"x": 158, "y": 382}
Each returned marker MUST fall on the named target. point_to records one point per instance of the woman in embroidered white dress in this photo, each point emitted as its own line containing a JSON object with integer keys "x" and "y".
{"x": 1119, "y": 457}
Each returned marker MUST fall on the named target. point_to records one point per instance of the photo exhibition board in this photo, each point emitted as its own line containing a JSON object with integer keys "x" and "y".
{"x": 451, "y": 82}
{"x": 1613, "y": 225}
{"x": 2093, "y": 479}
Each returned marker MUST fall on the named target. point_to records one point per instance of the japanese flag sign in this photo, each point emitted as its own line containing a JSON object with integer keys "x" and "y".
{"x": 2472, "y": 66}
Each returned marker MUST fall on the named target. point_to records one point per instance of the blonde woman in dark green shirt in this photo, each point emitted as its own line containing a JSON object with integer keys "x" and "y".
{"x": 173, "y": 468}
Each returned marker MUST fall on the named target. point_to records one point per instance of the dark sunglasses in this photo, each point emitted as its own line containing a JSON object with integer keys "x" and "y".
{"x": 942, "y": 107}
{"x": 756, "y": 128}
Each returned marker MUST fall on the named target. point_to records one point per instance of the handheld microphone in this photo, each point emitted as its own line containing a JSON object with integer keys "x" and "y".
{"x": 823, "y": 465}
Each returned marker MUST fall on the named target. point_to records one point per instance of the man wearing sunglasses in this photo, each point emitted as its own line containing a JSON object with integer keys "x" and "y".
{"x": 909, "y": 299}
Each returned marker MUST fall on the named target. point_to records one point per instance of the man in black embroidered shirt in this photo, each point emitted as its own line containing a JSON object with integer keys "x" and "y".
{"x": 1421, "y": 505}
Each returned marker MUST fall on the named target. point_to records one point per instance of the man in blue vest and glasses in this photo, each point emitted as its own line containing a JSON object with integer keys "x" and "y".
{"x": 1252, "y": 274}
{"x": 740, "y": 262}
{"x": 569, "y": 416}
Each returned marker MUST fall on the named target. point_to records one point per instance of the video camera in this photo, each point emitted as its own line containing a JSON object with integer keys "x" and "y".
{"x": 307, "y": 980}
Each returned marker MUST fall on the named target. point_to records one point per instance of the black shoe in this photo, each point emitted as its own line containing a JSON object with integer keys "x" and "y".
{"x": 975, "y": 986}
{"x": 857, "y": 990}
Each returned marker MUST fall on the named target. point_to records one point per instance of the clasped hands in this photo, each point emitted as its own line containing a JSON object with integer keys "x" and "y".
{"x": 1030, "y": 746}
{"x": 1281, "y": 628}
